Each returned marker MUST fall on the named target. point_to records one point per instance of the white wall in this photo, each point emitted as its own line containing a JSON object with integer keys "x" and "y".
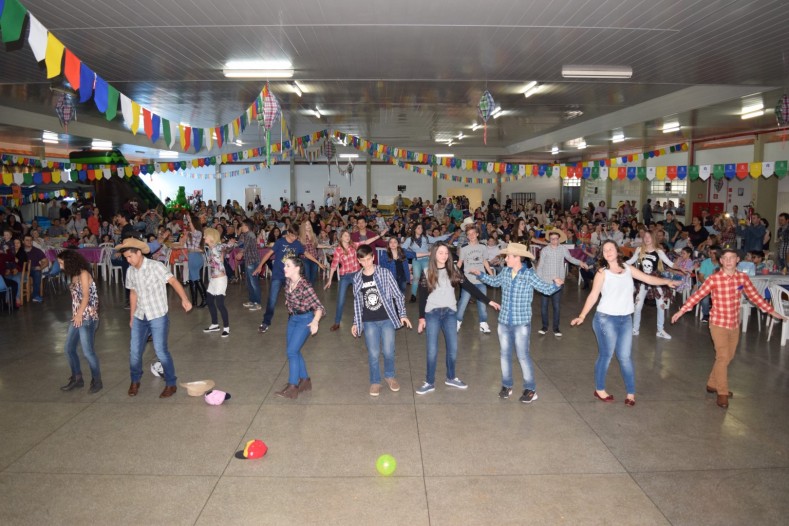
{"x": 544, "y": 187}
{"x": 727, "y": 191}
{"x": 166, "y": 184}
{"x": 386, "y": 178}
{"x": 273, "y": 182}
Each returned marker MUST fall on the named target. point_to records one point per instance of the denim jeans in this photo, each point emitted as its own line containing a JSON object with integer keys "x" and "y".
{"x": 516, "y": 336}
{"x": 441, "y": 320}
{"x": 418, "y": 265}
{"x": 297, "y": 334}
{"x": 661, "y": 312}
{"x": 273, "y": 294}
{"x": 310, "y": 270}
{"x": 346, "y": 280}
{"x": 253, "y": 284}
{"x": 555, "y": 300}
{"x": 82, "y": 335}
{"x": 18, "y": 279}
{"x": 158, "y": 329}
{"x": 482, "y": 308}
{"x": 614, "y": 336}
{"x": 195, "y": 263}
{"x": 35, "y": 275}
{"x": 706, "y": 303}
{"x": 379, "y": 336}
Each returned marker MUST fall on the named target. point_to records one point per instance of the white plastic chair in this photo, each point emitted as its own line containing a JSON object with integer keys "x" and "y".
{"x": 780, "y": 300}
{"x": 184, "y": 266}
{"x": 105, "y": 262}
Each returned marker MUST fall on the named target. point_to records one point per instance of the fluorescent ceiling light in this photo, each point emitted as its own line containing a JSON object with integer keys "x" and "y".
{"x": 460, "y": 136}
{"x": 476, "y": 126}
{"x": 98, "y": 144}
{"x": 349, "y": 156}
{"x": 531, "y": 88}
{"x": 669, "y": 127}
{"x": 238, "y": 142}
{"x": 618, "y": 137}
{"x": 450, "y": 155}
{"x": 498, "y": 114}
{"x": 449, "y": 142}
{"x": 496, "y": 110}
{"x": 49, "y": 136}
{"x": 258, "y": 73}
{"x": 297, "y": 89}
{"x": 752, "y": 114}
{"x": 259, "y": 64}
{"x": 317, "y": 113}
{"x": 581, "y": 144}
{"x": 167, "y": 154}
{"x": 50, "y": 141}
{"x": 597, "y": 72}
{"x": 555, "y": 150}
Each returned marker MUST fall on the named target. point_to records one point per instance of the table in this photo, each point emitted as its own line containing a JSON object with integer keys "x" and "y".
{"x": 762, "y": 282}
{"x": 91, "y": 254}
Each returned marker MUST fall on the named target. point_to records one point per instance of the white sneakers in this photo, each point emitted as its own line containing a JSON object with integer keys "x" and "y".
{"x": 459, "y": 324}
{"x": 664, "y": 335}
{"x": 484, "y": 327}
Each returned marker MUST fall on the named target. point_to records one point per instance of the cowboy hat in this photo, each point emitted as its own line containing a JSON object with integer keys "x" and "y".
{"x": 198, "y": 388}
{"x": 131, "y": 242}
{"x": 518, "y": 249}
{"x": 469, "y": 221}
{"x": 557, "y": 232}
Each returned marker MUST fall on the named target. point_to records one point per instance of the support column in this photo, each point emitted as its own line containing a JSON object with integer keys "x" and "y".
{"x": 218, "y": 183}
{"x": 368, "y": 171}
{"x": 292, "y": 185}
{"x": 434, "y": 167}
{"x": 765, "y": 192}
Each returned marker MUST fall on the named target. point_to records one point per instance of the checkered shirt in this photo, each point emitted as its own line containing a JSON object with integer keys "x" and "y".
{"x": 726, "y": 291}
{"x": 346, "y": 261}
{"x": 150, "y": 283}
{"x": 302, "y": 298}
{"x": 517, "y": 293}
{"x": 250, "y": 244}
{"x": 552, "y": 262}
{"x": 391, "y": 297}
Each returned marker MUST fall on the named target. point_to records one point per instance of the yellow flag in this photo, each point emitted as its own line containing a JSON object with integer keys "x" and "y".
{"x": 54, "y": 56}
{"x": 756, "y": 170}
{"x": 8, "y": 178}
{"x": 563, "y": 171}
{"x": 135, "y": 125}
{"x": 660, "y": 173}
{"x": 56, "y": 176}
{"x": 128, "y": 171}
{"x": 182, "y": 135}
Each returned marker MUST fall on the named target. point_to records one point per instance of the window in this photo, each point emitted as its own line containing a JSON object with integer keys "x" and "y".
{"x": 571, "y": 181}
{"x": 668, "y": 188}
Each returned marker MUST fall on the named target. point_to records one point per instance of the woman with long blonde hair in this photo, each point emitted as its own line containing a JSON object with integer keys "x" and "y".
{"x": 310, "y": 242}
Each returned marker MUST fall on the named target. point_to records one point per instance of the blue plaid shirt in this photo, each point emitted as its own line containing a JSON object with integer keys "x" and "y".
{"x": 392, "y": 298}
{"x": 517, "y": 293}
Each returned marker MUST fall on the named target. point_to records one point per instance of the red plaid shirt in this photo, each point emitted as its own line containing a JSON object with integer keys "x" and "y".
{"x": 726, "y": 291}
{"x": 346, "y": 261}
{"x": 302, "y": 298}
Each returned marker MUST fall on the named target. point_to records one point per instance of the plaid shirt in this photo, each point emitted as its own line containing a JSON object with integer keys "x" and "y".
{"x": 392, "y": 298}
{"x": 346, "y": 261}
{"x": 302, "y": 298}
{"x": 517, "y": 293}
{"x": 150, "y": 283}
{"x": 250, "y": 244}
{"x": 726, "y": 291}
{"x": 552, "y": 262}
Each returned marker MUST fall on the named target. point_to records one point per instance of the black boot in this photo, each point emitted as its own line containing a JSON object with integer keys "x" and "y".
{"x": 95, "y": 386}
{"x": 201, "y": 291}
{"x": 193, "y": 291}
{"x": 73, "y": 383}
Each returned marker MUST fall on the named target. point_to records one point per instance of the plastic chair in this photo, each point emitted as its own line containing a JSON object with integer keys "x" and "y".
{"x": 184, "y": 266}
{"x": 105, "y": 262}
{"x": 779, "y": 297}
{"x": 27, "y": 283}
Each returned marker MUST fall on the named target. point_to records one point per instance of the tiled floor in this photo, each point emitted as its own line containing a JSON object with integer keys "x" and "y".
{"x": 464, "y": 457}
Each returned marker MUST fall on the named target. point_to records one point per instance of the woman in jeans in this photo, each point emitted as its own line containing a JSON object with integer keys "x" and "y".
{"x": 345, "y": 258}
{"x": 378, "y": 311}
{"x": 84, "y": 322}
{"x": 192, "y": 242}
{"x": 304, "y": 314}
{"x": 420, "y": 244}
{"x": 438, "y": 312}
{"x": 613, "y": 322}
{"x": 394, "y": 260}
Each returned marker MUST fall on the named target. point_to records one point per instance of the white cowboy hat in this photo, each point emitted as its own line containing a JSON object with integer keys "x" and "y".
{"x": 518, "y": 249}
{"x": 198, "y": 388}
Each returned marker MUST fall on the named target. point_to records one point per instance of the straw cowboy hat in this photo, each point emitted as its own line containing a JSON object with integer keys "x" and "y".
{"x": 556, "y": 231}
{"x": 131, "y": 242}
{"x": 469, "y": 221}
{"x": 198, "y": 388}
{"x": 518, "y": 249}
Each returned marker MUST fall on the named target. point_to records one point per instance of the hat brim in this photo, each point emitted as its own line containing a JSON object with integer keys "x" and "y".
{"x": 240, "y": 455}
{"x": 561, "y": 234}
{"x": 527, "y": 254}
{"x": 198, "y": 388}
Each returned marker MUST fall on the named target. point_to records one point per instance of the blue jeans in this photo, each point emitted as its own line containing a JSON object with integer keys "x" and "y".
{"x": 516, "y": 336}
{"x": 35, "y": 275}
{"x": 310, "y": 270}
{"x": 706, "y": 303}
{"x": 84, "y": 336}
{"x": 273, "y": 294}
{"x": 418, "y": 265}
{"x": 195, "y": 263}
{"x": 379, "y": 336}
{"x": 158, "y": 329}
{"x": 555, "y": 299}
{"x": 346, "y": 280}
{"x": 661, "y": 312}
{"x": 482, "y": 308}
{"x": 614, "y": 336}
{"x": 441, "y": 320}
{"x": 253, "y": 284}
{"x": 297, "y": 334}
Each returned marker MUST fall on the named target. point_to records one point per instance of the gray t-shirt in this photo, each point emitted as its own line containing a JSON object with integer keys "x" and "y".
{"x": 473, "y": 257}
{"x": 443, "y": 296}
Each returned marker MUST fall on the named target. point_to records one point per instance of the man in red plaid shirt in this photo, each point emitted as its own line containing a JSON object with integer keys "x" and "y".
{"x": 726, "y": 286}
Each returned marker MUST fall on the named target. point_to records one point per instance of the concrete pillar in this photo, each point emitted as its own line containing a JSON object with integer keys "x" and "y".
{"x": 218, "y": 183}
{"x": 368, "y": 173}
{"x": 434, "y": 167}
{"x": 765, "y": 192}
{"x": 292, "y": 186}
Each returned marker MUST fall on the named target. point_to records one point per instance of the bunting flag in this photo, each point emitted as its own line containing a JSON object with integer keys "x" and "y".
{"x": 209, "y": 133}
{"x": 53, "y": 56}
{"x": 219, "y": 140}
{"x": 768, "y": 169}
{"x": 126, "y": 110}
{"x": 112, "y": 102}
{"x": 101, "y": 94}
{"x": 37, "y": 38}
{"x": 86, "y": 81}
{"x": 197, "y": 139}
{"x": 71, "y": 69}
{"x": 12, "y": 20}
{"x": 146, "y": 123}
{"x": 166, "y": 132}
{"x": 174, "y": 129}
{"x": 155, "y": 125}
{"x": 135, "y": 115}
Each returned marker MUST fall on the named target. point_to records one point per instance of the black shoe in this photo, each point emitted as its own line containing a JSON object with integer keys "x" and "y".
{"x": 202, "y": 293}
{"x": 95, "y": 386}
{"x": 73, "y": 383}
{"x": 528, "y": 396}
{"x": 505, "y": 392}
{"x": 413, "y": 298}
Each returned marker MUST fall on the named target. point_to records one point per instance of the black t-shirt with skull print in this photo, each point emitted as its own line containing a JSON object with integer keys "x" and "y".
{"x": 649, "y": 265}
{"x": 373, "y": 307}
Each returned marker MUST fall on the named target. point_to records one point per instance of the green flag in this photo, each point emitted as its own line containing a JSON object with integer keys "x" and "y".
{"x": 718, "y": 172}
{"x": 641, "y": 173}
{"x": 112, "y": 102}
{"x": 780, "y": 169}
{"x": 694, "y": 172}
{"x": 12, "y": 20}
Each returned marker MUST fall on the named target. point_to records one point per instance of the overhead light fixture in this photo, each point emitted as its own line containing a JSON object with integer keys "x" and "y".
{"x": 555, "y": 150}
{"x": 238, "y": 142}
{"x": 669, "y": 127}
{"x": 442, "y": 155}
{"x": 98, "y": 144}
{"x": 497, "y": 115}
{"x": 317, "y": 112}
{"x": 597, "y": 72}
{"x": 449, "y": 142}
{"x": 255, "y": 69}
{"x": 618, "y": 137}
{"x": 50, "y": 137}
{"x": 297, "y": 89}
{"x": 476, "y": 126}
{"x": 349, "y": 156}
{"x": 167, "y": 154}
{"x": 49, "y": 141}
{"x": 496, "y": 110}
{"x": 460, "y": 136}
{"x": 581, "y": 144}
{"x": 754, "y": 109}
{"x": 752, "y": 114}
{"x": 531, "y": 88}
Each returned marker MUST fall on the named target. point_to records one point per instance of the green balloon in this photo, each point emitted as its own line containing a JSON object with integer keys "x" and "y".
{"x": 386, "y": 465}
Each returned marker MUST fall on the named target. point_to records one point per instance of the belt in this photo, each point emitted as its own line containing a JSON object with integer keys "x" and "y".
{"x": 299, "y": 312}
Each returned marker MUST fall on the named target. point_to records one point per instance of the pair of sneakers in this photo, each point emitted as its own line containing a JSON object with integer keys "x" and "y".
{"x": 484, "y": 328}
{"x": 527, "y": 397}
{"x": 544, "y": 331}
{"x": 215, "y": 328}
{"x": 456, "y": 382}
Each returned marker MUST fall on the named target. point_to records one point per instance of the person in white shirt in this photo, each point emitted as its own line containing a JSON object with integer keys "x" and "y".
{"x": 614, "y": 234}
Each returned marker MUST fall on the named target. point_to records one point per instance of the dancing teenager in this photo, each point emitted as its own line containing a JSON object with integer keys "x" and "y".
{"x": 613, "y": 322}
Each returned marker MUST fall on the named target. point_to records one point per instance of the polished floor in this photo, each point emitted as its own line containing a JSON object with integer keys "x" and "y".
{"x": 464, "y": 457}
